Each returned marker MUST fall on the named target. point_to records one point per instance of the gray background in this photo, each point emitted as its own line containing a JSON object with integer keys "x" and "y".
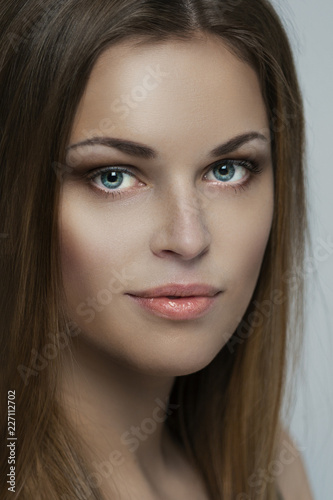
{"x": 309, "y": 25}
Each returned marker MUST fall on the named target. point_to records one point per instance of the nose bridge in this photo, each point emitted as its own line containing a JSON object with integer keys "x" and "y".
{"x": 184, "y": 203}
{"x": 182, "y": 228}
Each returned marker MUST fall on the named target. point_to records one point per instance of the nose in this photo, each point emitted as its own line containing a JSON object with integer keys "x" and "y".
{"x": 181, "y": 229}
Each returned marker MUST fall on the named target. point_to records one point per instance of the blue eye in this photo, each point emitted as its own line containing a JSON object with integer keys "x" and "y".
{"x": 230, "y": 170}
{"x": 234, "y": 174}
{"x": 118, "y": 181}
{"x": 224, "y": 172}
{"x": 113, "y": 178}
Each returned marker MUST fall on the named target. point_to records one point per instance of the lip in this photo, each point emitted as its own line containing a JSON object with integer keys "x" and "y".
{"x": 178, "y": 302}
{"x": 178, "y": 290}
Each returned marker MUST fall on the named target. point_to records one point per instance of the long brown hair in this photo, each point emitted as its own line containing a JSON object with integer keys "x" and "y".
{"x": 228, "y": 420}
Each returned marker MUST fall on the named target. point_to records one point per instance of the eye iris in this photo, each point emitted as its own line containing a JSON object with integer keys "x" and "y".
{"x": 224, "y": 172}
{"x": 112, "y": 179}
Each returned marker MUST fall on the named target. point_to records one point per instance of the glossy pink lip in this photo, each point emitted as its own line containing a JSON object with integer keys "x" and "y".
{"x": 179, "y": 302}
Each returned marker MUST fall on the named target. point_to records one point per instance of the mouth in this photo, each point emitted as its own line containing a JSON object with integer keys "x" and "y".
{"x": 176, "y": 291}
{"x": 177, "y": 296}
{"x": 184, "y": 306}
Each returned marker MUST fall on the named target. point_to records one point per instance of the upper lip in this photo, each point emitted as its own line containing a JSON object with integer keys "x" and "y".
{"x": 178, "y": 290}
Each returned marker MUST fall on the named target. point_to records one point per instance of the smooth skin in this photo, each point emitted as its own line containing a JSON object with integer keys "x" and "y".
{"x": 174, "y": 218}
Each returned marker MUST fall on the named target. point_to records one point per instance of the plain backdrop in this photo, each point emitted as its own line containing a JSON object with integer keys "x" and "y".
{"x": 309, "y": 25}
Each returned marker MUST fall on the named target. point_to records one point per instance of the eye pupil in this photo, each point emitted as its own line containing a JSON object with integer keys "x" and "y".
{"x": 112, "y": 179}
{"x": 224, "y": 172}
{"x": 112, "y": 176}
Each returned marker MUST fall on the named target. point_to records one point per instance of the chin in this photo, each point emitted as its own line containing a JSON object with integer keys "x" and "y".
{"x": 176, "y": 365}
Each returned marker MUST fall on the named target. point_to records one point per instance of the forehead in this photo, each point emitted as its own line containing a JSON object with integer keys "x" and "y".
{"x": 172, "y": 91}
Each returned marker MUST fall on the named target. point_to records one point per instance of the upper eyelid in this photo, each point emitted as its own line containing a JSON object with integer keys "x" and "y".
{"x": 245, "y": 151}
{"x": 133, "y": 170}
{"x": 92, "y": 174}
{"x": 99, "y": 171}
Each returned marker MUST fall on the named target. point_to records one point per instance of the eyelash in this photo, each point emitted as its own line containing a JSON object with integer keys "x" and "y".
{"x": 252, "y": 166}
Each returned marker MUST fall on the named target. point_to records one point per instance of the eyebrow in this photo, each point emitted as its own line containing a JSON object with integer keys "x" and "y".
{"x": 142, "y": 151}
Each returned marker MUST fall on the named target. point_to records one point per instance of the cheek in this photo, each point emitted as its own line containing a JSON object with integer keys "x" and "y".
{"x": 249, "y": 249}
{"x": 96, "y": 248}
{"x": 244, "y": 246}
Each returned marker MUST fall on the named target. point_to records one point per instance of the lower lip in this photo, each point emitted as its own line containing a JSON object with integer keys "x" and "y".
{"x": 179, "y": 309}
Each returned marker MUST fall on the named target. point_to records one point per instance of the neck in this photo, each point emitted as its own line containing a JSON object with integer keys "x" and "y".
{"x": 118, "y": 412}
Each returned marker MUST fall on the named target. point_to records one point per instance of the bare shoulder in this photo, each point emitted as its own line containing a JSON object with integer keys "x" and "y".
{"x": 293, "y": 482}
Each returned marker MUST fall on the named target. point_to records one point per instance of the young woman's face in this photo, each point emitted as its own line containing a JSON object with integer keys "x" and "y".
{"x": 194, "y": 208}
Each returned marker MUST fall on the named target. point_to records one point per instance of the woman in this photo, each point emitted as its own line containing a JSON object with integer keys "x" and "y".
{"x": 148, "y": 264}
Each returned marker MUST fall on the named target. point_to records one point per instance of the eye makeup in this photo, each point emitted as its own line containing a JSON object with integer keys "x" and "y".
{"x": 112, "y": 180}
